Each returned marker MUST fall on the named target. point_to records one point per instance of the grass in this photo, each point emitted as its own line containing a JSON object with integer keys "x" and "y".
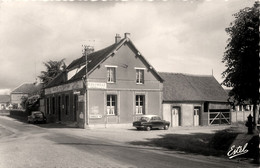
{"x": 198, "y": 143}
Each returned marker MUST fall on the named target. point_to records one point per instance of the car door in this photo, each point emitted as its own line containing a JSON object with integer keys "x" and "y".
{"x": 160, "y": 122}
{"x": 157, "y": 122}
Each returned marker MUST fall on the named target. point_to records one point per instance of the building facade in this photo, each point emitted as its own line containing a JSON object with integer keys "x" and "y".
{"x": 4, "y": 101}
{"x": 25, "y": 90}
{"x": 194, "y": 100}
{"x": 114, "y": 85}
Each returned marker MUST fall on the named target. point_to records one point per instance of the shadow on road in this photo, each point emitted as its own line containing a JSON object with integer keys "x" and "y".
{"x": 198, "y": 143}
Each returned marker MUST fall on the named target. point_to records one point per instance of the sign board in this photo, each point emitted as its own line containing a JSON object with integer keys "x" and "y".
{"x": 81, "y": 115}
{"x": 81, "y": 98}
{"x": 97, "y": 85}
{"x": 95, "y": 116}
{"x": 76, "y": 92}
{"x": 94, "y": 112}
{"x": 65, "y": 87}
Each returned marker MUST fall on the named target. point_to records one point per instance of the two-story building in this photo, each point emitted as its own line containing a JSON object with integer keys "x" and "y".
{"x": 114, "y": 85}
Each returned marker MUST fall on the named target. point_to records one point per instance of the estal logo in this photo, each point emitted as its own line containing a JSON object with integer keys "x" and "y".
{"x": 236, "y": 151}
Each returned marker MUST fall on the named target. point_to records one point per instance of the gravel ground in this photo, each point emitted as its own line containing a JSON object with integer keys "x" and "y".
{"x": 130, "y": 134}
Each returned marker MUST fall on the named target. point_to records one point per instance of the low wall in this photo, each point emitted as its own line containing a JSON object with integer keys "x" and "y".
{"x": 21, "y": 114}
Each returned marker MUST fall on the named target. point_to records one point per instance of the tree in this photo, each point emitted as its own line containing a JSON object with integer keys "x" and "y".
{"x": 53, "y": 68}
{"x": 242, "y": 58}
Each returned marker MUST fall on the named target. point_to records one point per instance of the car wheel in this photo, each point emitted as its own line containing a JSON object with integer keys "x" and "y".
{"x": 138, "y": 128}
{"x": 166, "y": 127}
{"x": 148, "y": 128}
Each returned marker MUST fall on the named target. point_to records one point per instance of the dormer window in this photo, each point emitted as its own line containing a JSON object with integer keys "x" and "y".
{"x": 111, "y": 74}
{"x": 139, "y": 75}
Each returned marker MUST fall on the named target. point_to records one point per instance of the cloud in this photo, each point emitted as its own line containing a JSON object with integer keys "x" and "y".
{"x": 5, "y": 91}
{"x": 173, "y": 36}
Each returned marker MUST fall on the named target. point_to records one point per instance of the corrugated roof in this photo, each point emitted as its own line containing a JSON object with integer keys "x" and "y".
{"x": 4, "y": 98}
{"x": 183, "y": 87}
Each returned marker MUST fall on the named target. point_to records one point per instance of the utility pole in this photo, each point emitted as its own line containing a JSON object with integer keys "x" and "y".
{"x": 86, "y": 114}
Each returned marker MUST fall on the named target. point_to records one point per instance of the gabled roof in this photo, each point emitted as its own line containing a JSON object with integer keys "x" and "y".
{"x": 183, "y": 87}
{"x": 4, "y": 98}
{"x": 96, "y": 58}
{"x": 27, "y": 88}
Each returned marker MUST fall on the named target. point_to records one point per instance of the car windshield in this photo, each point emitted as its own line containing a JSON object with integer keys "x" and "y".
{"x": 38, "y": 114}
{"x": 144, "y": 119}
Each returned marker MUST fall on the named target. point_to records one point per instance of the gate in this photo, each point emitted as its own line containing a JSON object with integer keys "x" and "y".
{"x": 219, "y": 118}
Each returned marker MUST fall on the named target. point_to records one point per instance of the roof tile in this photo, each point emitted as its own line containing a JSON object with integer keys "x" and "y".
{"x": 182, "y": 87}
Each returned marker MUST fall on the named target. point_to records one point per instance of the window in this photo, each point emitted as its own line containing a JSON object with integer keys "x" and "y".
{"x": 111, "y": 74}
{"x": 139, "y": 76}
{"x": 111, "y": 104}
{"x": 48, "y": 105}
{"x": 139, "y": 104}
{"x": 67, "y": 104}
{"x": 196, "y": 110}
{"x": 53, "y": 105}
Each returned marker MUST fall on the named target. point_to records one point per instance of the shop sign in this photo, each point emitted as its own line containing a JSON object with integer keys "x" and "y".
{"x": 65, "y": 87}
{"x": 95, "y": 116}
{"x": 76, "y": 92}
{"x": 97, "y": 85}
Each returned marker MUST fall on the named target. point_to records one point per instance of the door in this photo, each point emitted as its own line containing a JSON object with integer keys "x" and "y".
{"x": 175, "y": 116}
{"x": 196, "y": 116}
{"x": 156, "y": 122}
{"x": 75, "y": 107}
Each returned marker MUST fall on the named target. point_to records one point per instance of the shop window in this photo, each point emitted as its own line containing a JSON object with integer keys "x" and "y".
{"x": 111, "y": 74}
{"x": 53, "y": 105}
{"x": 111, "y": 104}
{"x": 139, "y": 104}
{"x": 48, "y": 105}
{"x": 67, "y": 104}
{"x": 206, "y": 106}
{"x": 139, "y": 76}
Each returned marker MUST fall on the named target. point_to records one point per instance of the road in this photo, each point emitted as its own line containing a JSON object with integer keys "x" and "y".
{"x": 26, "y": 145}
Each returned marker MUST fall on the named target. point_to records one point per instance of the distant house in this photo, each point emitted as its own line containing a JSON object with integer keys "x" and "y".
{"x": 24, "y": 90}
{"x": 193, "y": 100}
{"x": 120, "y": 87}
{"x": 4, "y": 101}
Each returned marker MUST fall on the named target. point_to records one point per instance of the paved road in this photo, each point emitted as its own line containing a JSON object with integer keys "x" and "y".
{"x": 26, "y": 145}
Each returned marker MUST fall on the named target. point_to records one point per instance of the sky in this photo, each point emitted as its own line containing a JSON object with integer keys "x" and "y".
{"x": 180, "y": 36}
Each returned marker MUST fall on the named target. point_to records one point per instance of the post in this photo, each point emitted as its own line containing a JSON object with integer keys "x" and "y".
{"x": 86, "y": 114}
{"x": 250, "y": 124}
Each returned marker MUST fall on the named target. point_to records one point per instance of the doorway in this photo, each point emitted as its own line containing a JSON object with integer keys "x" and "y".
{"x": 175, "y": 114}
{"x": 196, "y": 116}
{"x": 75, "y": 107}
{"x": 59, "y": 108}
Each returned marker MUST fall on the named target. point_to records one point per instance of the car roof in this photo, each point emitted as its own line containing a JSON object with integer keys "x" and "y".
{"x": 36, "y": 112}
{"x": 149, "y": 116}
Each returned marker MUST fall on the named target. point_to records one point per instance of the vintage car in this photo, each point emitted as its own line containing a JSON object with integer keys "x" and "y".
{"x": 37, "y": 117}
{"x": 149, "y": 122}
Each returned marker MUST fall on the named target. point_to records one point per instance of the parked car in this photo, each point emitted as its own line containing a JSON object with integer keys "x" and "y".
{"x": 37, "y": 117}
{"x": 149, "y": 122}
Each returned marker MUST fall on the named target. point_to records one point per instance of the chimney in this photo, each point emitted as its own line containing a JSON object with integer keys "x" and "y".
{"x": 127, "y": 35}
{"x": 117, "y": 38}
